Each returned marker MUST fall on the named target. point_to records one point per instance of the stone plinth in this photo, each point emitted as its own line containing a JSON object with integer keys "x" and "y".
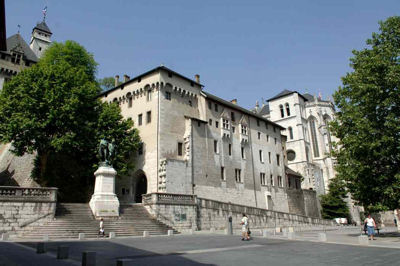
{"x": 104, "y": 202}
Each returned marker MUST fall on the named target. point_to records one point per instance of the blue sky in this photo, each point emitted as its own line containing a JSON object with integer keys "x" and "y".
{"x": 242, "y": 49}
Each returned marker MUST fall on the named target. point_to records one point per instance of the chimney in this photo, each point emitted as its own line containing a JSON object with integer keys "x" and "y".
{"x": 197, "y": 78}
{"x": 126, "y": 78}
{"x": 116, "y": 80}
{"x": 234, "y": 101}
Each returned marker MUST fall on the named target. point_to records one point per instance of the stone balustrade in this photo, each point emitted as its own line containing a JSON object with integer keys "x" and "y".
{"x": 29, "y": 194}
{"x": 166, "y": 198}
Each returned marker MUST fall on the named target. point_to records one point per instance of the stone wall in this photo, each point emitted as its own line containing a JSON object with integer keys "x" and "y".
{"x": 20, "y": 207}
{"x": 185, "y": 212}
{"x": 311, "y": 203}
{"x": 296, "y": 201}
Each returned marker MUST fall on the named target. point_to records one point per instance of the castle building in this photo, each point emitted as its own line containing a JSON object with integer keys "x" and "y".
{"x": 16, "y": 55}
{"x": 196, "y": 143}
{"x": 309, "y": 142}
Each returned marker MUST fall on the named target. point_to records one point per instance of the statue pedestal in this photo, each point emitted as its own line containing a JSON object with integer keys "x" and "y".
{"x": 104, "y": 202}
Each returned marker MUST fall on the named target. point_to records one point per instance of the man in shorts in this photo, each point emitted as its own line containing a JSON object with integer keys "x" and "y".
{"x": 245, "y": 227}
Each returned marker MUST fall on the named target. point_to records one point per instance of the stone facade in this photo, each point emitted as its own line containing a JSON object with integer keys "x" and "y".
{"x": 20, "y": 207}
{"x": 196, "y": 143}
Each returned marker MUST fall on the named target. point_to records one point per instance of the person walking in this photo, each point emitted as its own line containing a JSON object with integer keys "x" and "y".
{"x": 245, "y": 227}
{"x": 101, "y": 229}
{"x": 371, "y": 225}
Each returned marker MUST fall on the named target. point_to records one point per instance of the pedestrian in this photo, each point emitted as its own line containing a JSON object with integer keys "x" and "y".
{"x": 371, "y": 225}
{"x": 101, "y": 229}
{"x": 395, "y": 219}
{"x": 245, "y": 227}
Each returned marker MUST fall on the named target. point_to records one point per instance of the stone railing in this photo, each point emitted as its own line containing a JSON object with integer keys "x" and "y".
{"x": 27, "y": 194}
{"x": 166, "y": 198}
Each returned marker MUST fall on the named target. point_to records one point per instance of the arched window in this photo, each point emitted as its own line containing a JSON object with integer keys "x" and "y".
{"x": 282, "y": 111}
{"x": 314, "y": 136}
{"x": 287, "y": 109}
{"x": 290, "y": 129}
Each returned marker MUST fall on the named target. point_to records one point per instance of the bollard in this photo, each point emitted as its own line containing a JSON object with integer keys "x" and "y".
{"x": 62, "y": 252}
{"x": 170, "y": 232}
{"x": 322, "y": 237}
{"x": 112, "y": 235}
{"x": 145, "y": 233}
{"x": 81, "y": 236}
{"x": 4, "y": 236}
{"x": 46, "y": 238}
{"x": 89, "y": 258}
{"x": 123, "y": 262}
{"x": 290, "y": 235}
{"x": 363, "y": 240}
{"x": 230, "y": 228}
{"x": 40, "y": 248}
{"x": 265, "y": 233}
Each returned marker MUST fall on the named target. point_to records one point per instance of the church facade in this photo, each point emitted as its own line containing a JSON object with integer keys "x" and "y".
{"x": 309, "y": 142}
{"x": 196, "y": 143}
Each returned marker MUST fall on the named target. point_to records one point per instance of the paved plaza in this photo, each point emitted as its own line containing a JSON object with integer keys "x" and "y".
{"x": 342, "y": 248}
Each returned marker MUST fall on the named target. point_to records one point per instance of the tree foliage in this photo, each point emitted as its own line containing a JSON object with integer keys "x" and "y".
{"x": 368, "y": 121}
{"x": 106, "y": 83}
{"x": 53, "y": 109}
{"x": 333, "y": 204}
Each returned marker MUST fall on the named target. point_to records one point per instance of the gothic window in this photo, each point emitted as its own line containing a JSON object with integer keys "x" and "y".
{"x": 307, "y": 154}
{"x": 261, "y": 156}
{"x": 225, "y": 123}
{"x": 290, "y": 129}
{"x": 238, "y": 175}
{"x": 262, "y": 179}
{"x": 243, "y": 153}
{"x": 223, "y": 173}
{"x": 148, "y": 117}
{"x": 230, "y": 149}
{"x": 327, "y": 119}
{"x": 287, "y": 109}
{"x": 244, "y": 130}
{"x": 282, "y": 111}
{"x": 280, "y": 184}
{"x": 314, "y": 137}
{"x": 233, "y": 116}
{"x": 180, "y": 148}
{"x": 271, "y": 180}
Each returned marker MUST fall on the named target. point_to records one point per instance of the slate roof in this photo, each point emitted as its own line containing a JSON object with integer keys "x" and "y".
{"x": 16, "y": 42}
{"x": 285, "y": 93}
{"x": 43, "y": 27}
{"x": 308, "y": 96}
{"x": 291, "y": 172}
{"x": 264, "y": 110}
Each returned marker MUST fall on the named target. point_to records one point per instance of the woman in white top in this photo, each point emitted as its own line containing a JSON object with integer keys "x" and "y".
{"x": 245, "y": 227}
{"x": 370, "y": 222}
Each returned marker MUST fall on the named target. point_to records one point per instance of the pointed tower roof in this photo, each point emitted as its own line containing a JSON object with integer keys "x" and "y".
{"x": 42, "y": 26}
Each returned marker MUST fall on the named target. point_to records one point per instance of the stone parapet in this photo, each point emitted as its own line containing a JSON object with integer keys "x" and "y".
{"x": 27, "y": 194}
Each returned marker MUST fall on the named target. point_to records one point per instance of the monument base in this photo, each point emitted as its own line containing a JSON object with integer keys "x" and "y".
{"x": 104, "y": 202}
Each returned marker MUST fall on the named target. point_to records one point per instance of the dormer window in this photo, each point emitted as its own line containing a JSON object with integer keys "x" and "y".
{"x": 225, "y": 123}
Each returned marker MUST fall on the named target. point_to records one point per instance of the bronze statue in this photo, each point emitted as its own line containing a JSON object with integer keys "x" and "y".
{"x": 107, "y": 152}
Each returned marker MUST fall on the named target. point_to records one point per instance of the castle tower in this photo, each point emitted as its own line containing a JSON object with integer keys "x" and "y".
{"x": 40, "y": 39}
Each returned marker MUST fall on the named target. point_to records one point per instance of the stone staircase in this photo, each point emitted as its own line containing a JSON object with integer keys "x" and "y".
{"x": 74, "y": 218}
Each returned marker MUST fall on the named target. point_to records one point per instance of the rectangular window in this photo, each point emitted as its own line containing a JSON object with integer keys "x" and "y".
{"x": 148, "y": 117}
{"x": 271, "y": 180}
{"x": 216, "y": 107}
{"x": 198, "y": 123}
{"x": 180, "y": 148}
{"x": 210, "y": 122}
{"x": 278, "y": 160}
{"x": 280, "y": 184}
{"x": 140, "y": 148}
{"x": 233, "y": 116}
{"x": 233, "y": 129}
{"x": 149, "y": 95}
{"x": 216, "y": 124}
{"x": 223, "y": 173}
{"x": 259, "y": 135}
{"x": 258, "y": 122}
{"x": 244, "y": 130}
{"x": 275, "y": 140}
{"x": 215, "y": 146}
{"x": 168, "y": 95}
{"x": 267, "y": 138}
{"x": 269, "y": 157}
{"x": 209, "y": 105}
{"x": 230, "y": 149}
{"x": 261, "y": 156}
{"x": 238, "y": 175}
{"x": 140, "y": 118}
{"x": 243, "y": 153}
{"x": 130, "y": 102}
{"x": 225, "y": 123}
{"x": 262, "y": 179}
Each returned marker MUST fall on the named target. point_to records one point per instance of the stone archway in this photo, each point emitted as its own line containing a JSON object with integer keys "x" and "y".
{"x": 140, "y": 186}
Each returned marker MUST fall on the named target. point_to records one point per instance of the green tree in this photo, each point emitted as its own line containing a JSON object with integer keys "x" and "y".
{"x": 107, "y": 83}
{"x": 333, "y": 204}
{"x": 53, "y": 109}
{"x": 368, "y": 121}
